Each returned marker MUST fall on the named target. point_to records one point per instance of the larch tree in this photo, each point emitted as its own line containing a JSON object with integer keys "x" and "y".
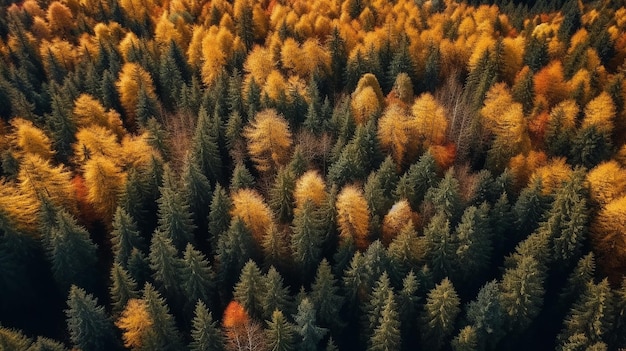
{"x": 30, "y": 139}
{"x": 353, "y": 216}
{"x": 396, "y": 134}
{"x": 310, "y": 186}
{"x": 429, "y": 121}
{"x": 133, "y": 79}
{"x": 89, "y": 325}
{"x": 269, "y": 140}
{"x": 105, "y": 181}
{"x": 135, "y": 323}
{"x": 607, "y": 236}
{"x": 249, "y": 206}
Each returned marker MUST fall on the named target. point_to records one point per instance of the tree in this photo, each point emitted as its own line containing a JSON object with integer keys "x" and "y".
{"x": 88, "y": 324}
{"x": 377, "y": 300}
{"x": 234, "y": 248}
{"x": 246, "y": 291}
{"x": 163, "y": 334}
{"x": 241, "y": 178}
{"x": 310, "y": 186}
{"x": 307, "y": 240}
{"x": 441, "y": 246}
{"x": 281, "y": 194}
{"x": 174, "y": 215}
{"x": 420, "y": 177}
{"x": 205, "y": 334}
{"x": 326, "y": 297}
{"x": 439, "y": 316}
{"x": 353, "y": 216}
{"x": 466, "y": 340}
{"x": 165, "y": 264}
{"x": 198, "y": 278}
{"x": 249, "y": 206}
{"x": 607, "y": 238}
{"x": 522, "y": 290}
{"x": 197, "y": 191}
{"x": 474, "y": 243}
{"x": 386, "y": 336}
{"x": 132, "y": 80}
{"x": 30, "y": 139}
{"x": 280, "y": 333}
{"x": 446, "y": 197}
{"x": 205, "y": 148}
{"x": 429, "y": 121}
{"x": 219, "y": 217}
{"x": 275, "y": 296}
{"x": 307, "y": 328}
{"x": 123, "y": 288}
{"x": 486, "y": 316}
{"x": 269, "y": 140}
{"x": 124, "y": 236}
{"x": 72, "y": 253}
{"x": 395, "y": 134}
{"x": 105, "y": 181}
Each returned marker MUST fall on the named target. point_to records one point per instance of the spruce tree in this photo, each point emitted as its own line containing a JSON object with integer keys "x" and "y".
{"x": 386, "y": 336}
{"x": 441, "y": 246}
{"x": 247, "y": 290}
{"x": 420, "y": 177}
{"x": 326, "y": 297}
{"x": 439, "y": 316}
{"x": 89, "y": 325}
{"x": 62, "y": 126}
{"x": 124, "y": 237}
{"x": 446, "y": 197}
{"x": 281, "y": 195}
{"x": 486, "y": 316}
{"x": 281, "y": 335}
{"x": 197, "y": 191}
{"x": 307, "y": 328}
{"x": 242, "y": 178}
{"x": 163, "y": 335}
{"x": 219, "y": 214}
{"x": 466, "y": 340}
{"x": 405, "y": 252}
{"x": 123, "y": 288}
{"x": 522, "y": 291}
{"x": 139, "y": 267}
{"x": 197, "y": 277}
{"x": 474, "y": 244}
{"x": 234, "y": 248}
{"x": 307, "y": 240}
{"x": 204, "y": 148}
{"x": 577, "y": 280}
{"x": 205, "y": 332}
{"x": 376, "y": 303}
{"x": 407, "y": 309}
{"x": 174, "y": 214}
{"x": 275, "y": 296}
{"x": 165, "y": 264}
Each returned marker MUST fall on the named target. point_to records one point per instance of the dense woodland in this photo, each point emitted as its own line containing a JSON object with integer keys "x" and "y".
{"x": 327, "y": 175}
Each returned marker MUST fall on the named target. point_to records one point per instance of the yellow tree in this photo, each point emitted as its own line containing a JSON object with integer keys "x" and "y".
{"x": 105, "y": 182}
{"x": 269, "y": 140}
{"x": 353, "y": 216}
{"x": 396, "y": 219}
{"x": 30, "y": 139}
{"x": 249, "y": 205}
{"x": 609, "y": 237}
{"x": 310, "y": 186}
{"x": 135, "y": 323}
{"x": 89, "y": 111}
{"x": 396, "y": 135}
{"x": 95, "y": 141}
{"x": 600, "y": 113}
{"x": 19, "y": 207}
{"x": 607, "y": 182}
{"x": 552, "y": 175}
{"x": 429, "y": 120}
{"x": 133, "y": 79}
{"x": 60, "y": 19}
{"x": 367, "y": 98}
{"x": 38, "y": 177}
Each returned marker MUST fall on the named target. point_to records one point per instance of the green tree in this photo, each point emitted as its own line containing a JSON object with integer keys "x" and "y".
{"x": 219, "y": 214}
{"x": 170, "y": 76}
{"x": 522, "y": 291}
{"x": 124, "y": 237}
{"x": 577, "y": 280}
{"x": 376, "y": 303}
{"x": 205, "y": 332}
{"x": 247, "y": 291}
{"x": 197, "y": 277}
{"x": 307, "y": 240}
{"x": 439, "y": 316}
{"x": 165, "y": 264}
{"x": 62, "y": 127}
{"x": 407, "y": 308}
{"x": 474, "y": 244}
{"x": 72, "y": 253}
{"x": 123, "y": 288}
{"x": 441, "y": 246}
{"x": 275, "y": 296}
{"x": 361, "y": 153}
{"x": 446, "y": 197}
{"x": 281, "y": 195}
{"x": 241, "y": 179}
{"x": 174, "y": 215}
{"x": 89, "y": 325}
{"x": 536, "y": 54}
{"x": 196, "y": 190}
{"x": 163, "y": 335}
{"x": 306, "y": 326}
{"x": 405, "y": 252}
{"x": 204, "y": 148}
{"x": 486, "y": 316}
{"x": 326, "y": 297}
{"x": 386, "y": 336}
{"x": 529, "y": 208}
{"x": 234, "y": 248}
{"x": 139, "y": 267}
{"x": 281, "y": 335}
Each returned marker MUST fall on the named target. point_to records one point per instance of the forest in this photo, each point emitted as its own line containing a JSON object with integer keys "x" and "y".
{"x": 281, "y": 175}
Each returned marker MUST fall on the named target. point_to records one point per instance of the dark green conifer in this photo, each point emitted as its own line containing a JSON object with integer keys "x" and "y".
{"x": 197, "y": 277}
{"x": 281, "y": 335}
{"x": 486, "y": 316}
{"x": 234, "y": 248}
{"x": 310, "y": 333}
{"x": 307, "y": 240}
{"x": 248, "y": 290}
{"x": 163, "y": 335}
{"x": 420, "y": 177}
{"x": 174, "y": 214}
{"x": 123, "y": 288}
{"x": 242, "y": 178}
{"x": 522, "y": 291}
{"x": 281, "y": 195}
{"x": 124, "y": 237}
{"x": 165, "y": 264}
{"x": 386, "y": 335}
{"x": 439, "y": 316}
{"x": 205, "y": 332}
{"x": 204, "y": 148}
{"x": 326, "y": 297}
{"x": 275, "y": 296}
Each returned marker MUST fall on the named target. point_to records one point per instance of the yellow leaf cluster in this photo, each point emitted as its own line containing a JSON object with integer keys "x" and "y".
{"x": 353, "y": 216}
{"x": 552, "y": 175}
{"x": 259, "y": 64}
{"x": 600, "y": 113}
{"x": 249, "y": 205}
{"x": 269, "y": 140}
{"x": 29, "y": 139}
{"x": 365, "y": 105}
{"x": 89, "y": 111}
{"x": 396, "y": 134}
{"x": 523, "y": 166}
{"x": 19, "y": 207}
{"x": 429, "y": 120}
{"x": 607, "y": 182}
{"x": 105, "y": 182}
{"x": 310, "y": 186}
{"x": 396, "y": 219}
{"x": 94, "y": 141}
{"x": 60, "y": 18}
{"x": 608, "y": 237}
{"x": 38, "y": 177}
{"x": 135, "y": 323}
{"x": 132, "y": 79}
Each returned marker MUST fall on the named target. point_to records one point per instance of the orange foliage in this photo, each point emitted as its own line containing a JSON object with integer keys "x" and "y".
{"x": 444, "y": 155}
{"x": 353, "y": 216}
{"x": 608, "y": 238}
{"x": 429, "y": 120}
{"x": 310, "y": 186}
{"x": 86, "y": 213}
{"x": 235, "y": 315}
{"x": 396, "y": 136}
{"x": 550, "y": 84}
{"x": 135, "y": 323}
{"x": 522, "y": 166}
{"x": 60, "y": 18}
{"x": 253, "y": 211}
{"x": 607, "y": 182}
{"x": 132, "y": 79}
{"x": 600, "y": 113}
{"x": 396, "y": 219}
{"x": 552, "y": 175}
{"x": 537, "y": 127}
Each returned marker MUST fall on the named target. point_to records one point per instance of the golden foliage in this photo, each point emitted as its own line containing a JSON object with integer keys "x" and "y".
{"x": 19, "y": 207}
{"x": 607, "y": 182}
{"x": 38, "y": 177}
{"x": 552, "y": 175}
{"x": 365, "y": 105}
{"x": 608, "y": 237}
{"x": 105, "y": 181}
{"x": 429, "y": 120}
{"x": 396, "y": 135}
{"x": 136, "y": 152}
{"x": 269, "y": 140}
{"x": 310, "y": 186}
{"x": 95, "y": 141}
{"x": 600, "y": 113}
{"x": 135, "y": 323}
{"x": 89, "y": 111}
{"x": 396, "y": 219}
{"x": 60, "y": 18}
{"x": 29, "y": 139}
{"x": 522, "y": 166}
{"x": 249, "y": 205}
{"x": 259, "y": 64}
{"x": 550, "y": 84}
{"x": 132, "y": 79}
{"x": 275, "y": 85}
{"x": 235, "y": 315}
{"x": 353, "y": 216}
{"x": 63, "y": 52}
{"x": 444, "y": 155}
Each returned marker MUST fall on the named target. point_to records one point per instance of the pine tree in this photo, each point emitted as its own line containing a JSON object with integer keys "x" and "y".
{"x": 205, "y": 334}
{"x": 163, "y": 335}
{"x": 61, "y": 126}
{"x": 170, "y": 76}
{"x": 372, "y": 311}
{"x": 234, "y": 248}
{"x": 446, "y": 197}
{"x": 123, "y": 288}
{"x": 281, "y": 335}
{"x": 45, "y": 344}
{"x": 407, "y": 308}
{"x": 281, "y": 195}
{"x": 386, "y": 336}
{"x": 522, "y": 292}
{"x": 326, "y": 297}
{"x": 174, "y": 215}
{"x": 165, "y": 264}
{"x": 275, "y": 296}
{"x": 577, "y": 280}
{"x": 89, "y": 326}
{"x": 72, "y": 253}
{"x": 474, "y": 243}
{"x": 246, "y": 291}
{"x": 139, "y": 267}
{"x": 486, "y": 316}
{"x": 307, "y": 240}
{"x": 441, "y": 246}
{"x": 124, "y": 237}
{"x": 420, "y": 177}
{"x": 205, "y": 150}
{"x": 197, "y": 191}
{"x": 439, "y": 316}
{"x": 219, "y": 210}
{"x": 241, "y": 178}
{"x": 529, "y": 208}
{"x": 197, "y": 278}
{"x": 310, "y": 333}
{"x": 536, "y": 54}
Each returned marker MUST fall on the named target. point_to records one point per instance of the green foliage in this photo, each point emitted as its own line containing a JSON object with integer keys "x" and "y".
{"x": 175, "y": 221}
{"x": 281, "y": 335}
{"x": 281, "y": 195}
{"x": 326, "y": 297}
{"x": 275, "y": 295}
{"x": 205, "y": 333}
{"x": 522, "y": 293}
{"x": 124, "y": 237}
{"x": 165, "y": 264}
{"x": 386, "y": 336}
{"x": 163, "y": 335}
{"x": 204, "y": 148}
{"x": 197, "y": 277}
{"x": 247, "y": 290}
{"x": 439, "y": 316}
{"x": 306, "y": 326}
{"x": 307, "y": 240}
{"x": 123, "y": 288}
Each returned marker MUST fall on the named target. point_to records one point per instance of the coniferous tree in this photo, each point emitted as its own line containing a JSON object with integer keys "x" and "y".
{"x": 174, "y": 215}
{"x": 241, "y": 178}
{"x": 529, "y": 208}
{"x": 124, "y": 237}
{"x": 407, "y": 309}
{"x": 163, "y": 335}
{"x": 307, "y": 240}
{"x": 197, "y": 191}
{"x": 197, "y": 278}
{"x": 486, "y": 316}
{"x": 205, "y": 332}
{"x": 281, "y": 335}
{"x": 275, "y": 296}
{"x": 309, "y": 332}
{"x": 386, "y": 336}
{"x": 165, "y": 264}
{"x": 281, "y": 195}
{"x": 474, "y": 244}
{"x": 246, "y": 291}
{"x": 123, "y": 288}
{"x": 62, "y": 127}
{"x": 439, "y": 316}
{"x": 446, "y": 197}
{"x": 139, "y": 267}
{"x": 522, "y": 291}
{"x": 420, "y": 177}
{"x": 372, "y": 311}
{"x": 466, "y": 340}
{"x": 234, "y": 249}
{"x": 204, "y": 148}
{"x": 441, "y": 246}
{"x": 326, "y": 297}
{"x": 88, "y": 324}
{"x": 219, "y": 210}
